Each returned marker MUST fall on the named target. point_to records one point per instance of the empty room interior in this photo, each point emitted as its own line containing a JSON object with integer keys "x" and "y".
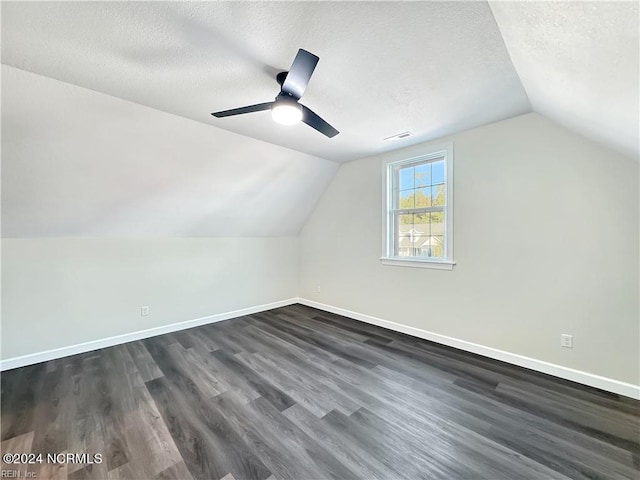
{"x": 318, "y": 240}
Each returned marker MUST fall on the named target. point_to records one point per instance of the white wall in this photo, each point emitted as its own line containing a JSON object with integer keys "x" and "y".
{"x": 102, "y": 200}
{"x": 546, "y": 242}
{"x": 65, "y": 291}
{"x": 546, "y": 231}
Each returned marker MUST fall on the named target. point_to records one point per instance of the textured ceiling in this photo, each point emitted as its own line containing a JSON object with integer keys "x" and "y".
{"x": 433, "y": 68}
{"x": 578, "y": 62}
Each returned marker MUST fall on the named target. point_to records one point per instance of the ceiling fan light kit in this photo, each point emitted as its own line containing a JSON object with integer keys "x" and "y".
{"x": 286, "y": 109}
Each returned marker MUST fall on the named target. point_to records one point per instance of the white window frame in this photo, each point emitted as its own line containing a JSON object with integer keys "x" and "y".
{"x": 387, "y": 258}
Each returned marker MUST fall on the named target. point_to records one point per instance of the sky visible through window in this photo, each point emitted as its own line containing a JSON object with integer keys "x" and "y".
{"x": 425, "y": 174}
{"x": 421, "y": 185}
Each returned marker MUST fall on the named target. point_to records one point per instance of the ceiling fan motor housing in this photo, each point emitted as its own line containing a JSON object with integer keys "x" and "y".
{"x": 281, "y": 77}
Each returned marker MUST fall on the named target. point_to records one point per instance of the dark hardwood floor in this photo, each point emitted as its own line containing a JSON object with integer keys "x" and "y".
{"x": 297, "y": 393}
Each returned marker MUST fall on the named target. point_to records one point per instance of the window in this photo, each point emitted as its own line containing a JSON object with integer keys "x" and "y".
{"x": 418, "y": 219}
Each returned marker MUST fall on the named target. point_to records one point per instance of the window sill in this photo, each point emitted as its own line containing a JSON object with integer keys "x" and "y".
{"x": 434, "y": 264}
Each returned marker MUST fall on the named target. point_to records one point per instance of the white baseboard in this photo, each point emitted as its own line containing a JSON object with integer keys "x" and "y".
{"x": 585, "y": 378}
{"x": 38, "y": 357}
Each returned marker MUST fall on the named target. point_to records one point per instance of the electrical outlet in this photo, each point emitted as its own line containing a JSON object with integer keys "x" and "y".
{"x": 566, "y": 341}
{"x": 144, "y": 311}
{"x": 317, "y": 288}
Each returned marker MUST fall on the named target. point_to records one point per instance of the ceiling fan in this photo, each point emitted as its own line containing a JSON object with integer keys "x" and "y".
{"x": 286, "y": 109}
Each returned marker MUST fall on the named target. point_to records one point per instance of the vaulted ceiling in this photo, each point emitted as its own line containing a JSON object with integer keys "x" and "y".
{"x": 385, "y": 67}
{"x": 432, "y": 68}
{"x": 578, "y": 62}
{"x": 80, "y": 163}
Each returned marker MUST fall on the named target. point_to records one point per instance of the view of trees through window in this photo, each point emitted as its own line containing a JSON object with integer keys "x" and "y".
{"x": 419, "y": 201}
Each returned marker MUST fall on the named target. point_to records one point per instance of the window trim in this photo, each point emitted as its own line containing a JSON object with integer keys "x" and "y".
{"x": 387, "y": 258}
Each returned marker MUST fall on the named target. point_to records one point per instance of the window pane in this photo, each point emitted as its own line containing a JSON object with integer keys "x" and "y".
{"x": 436, "y": 237}
{"x": 415, "y": 234}
{"x": 420, "y": 233}
{"x": 423, "y": 175}
{"x": 423, "y": 197}
{"x": 437, "y": 223}
{"x": 411, "y": 235}
{"x": 437, "y": 172}
{"x": 406, "y": 178}
{"x": 437, "y": 195}
{"x": 407, "y": 199}
{"x": 420, "y": 219}
{"x": 405, "y": 219}
{"x": 420, "y": 226}
{"x": 403, "y": 238}
{"x": 437, "y": 246}
{"x": 403, "y": 224}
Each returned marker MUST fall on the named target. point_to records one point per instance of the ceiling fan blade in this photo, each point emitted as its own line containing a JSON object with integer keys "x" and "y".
{"x": 239, "y": 111}
{"x": 298, "y": 76}
{"x": 314, "y": 121}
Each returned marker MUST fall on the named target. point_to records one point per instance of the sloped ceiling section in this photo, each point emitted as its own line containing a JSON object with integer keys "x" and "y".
{"x": 578, "y": 62}
{"x": 433, "y": 68}
{"x": 80, "y": 163}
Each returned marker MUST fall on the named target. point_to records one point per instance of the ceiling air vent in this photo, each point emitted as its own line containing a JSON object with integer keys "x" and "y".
{"x": 399, "y": 136}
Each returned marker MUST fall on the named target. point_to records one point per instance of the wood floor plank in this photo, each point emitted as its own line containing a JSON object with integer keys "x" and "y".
{"x": 623, "y": 438}
{"x": 483, "y": 377}
{"x": 549, "y": 435}
{"x": 413, "y": 411}
{"x": 401, "y": 457}
{"x": 223, "y": 378}
{"x": 16, "y": 445}
{"x": 300, "y": 394}
{"x": 352, "y": 454}
{"x": 312, "y": 390}
{"x": 318, "y": 325}
{"x": 55, "y": 417}
{"x": 290, "y": 386}
{"x": 175, "y": 361}
{"x": 223, "y": 337}
{"x": 201, "y": 343}
{"x": 209, "y": 445}
{"x": 144, "y": 362}
{"x": 275, "y": 396}
{"x": 18, "y": 399}
{"x": 297, "y": 342}
{"x": 144, "y": 437}
{"x": 52, "y": 471}
{"x": 284, "y": 448}
{"x": 341, "y": 327}
{"x": 321, "y": 341}
{"x": 523, "y": 376}
{"x": 460, "y": 453}
{"x": 179, "y": 471}
{"x": 614, "y": 423}
{"x": 229, "y": 380}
